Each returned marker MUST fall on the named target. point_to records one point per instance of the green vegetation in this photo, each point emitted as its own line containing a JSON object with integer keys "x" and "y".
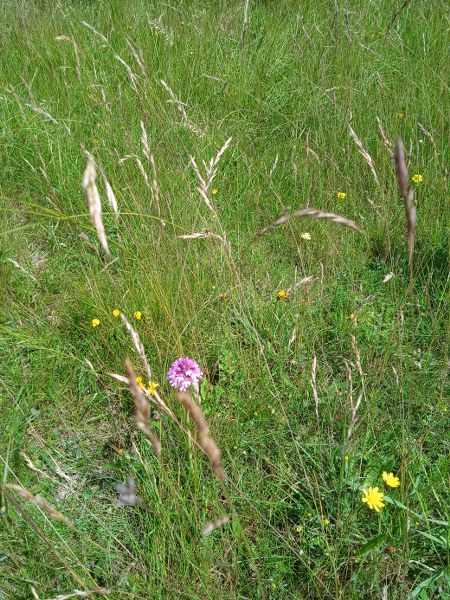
{"x": 81, "y": 76}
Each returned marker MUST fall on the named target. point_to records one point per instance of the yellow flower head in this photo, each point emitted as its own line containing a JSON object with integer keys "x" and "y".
{"x": 298, "y": 529}
{"x": 214, "y": 192}
{"x": 95, "y": 322}
{"x": 341, "y": 195}
{"x": 137, "y": 315}
{"x": 391, "y": 480}
{"x": 152, "y": 385}
{"x": 306, "y": 236}
{"x": 139, "y": 382}
{"x": 326, "y": 522}
{"x": 346, "y": 458}
{"x": 417, "y": 178}
{"x": 400, "y": 115}
{"x": 282, "y": 294}
{"x": 116, "y": 312}
{"x": 373, "y": 498}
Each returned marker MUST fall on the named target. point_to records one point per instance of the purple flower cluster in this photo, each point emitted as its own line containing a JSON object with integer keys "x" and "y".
{"x": 183, "y": 373}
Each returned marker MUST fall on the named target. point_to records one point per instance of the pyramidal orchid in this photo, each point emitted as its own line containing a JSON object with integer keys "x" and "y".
{"x": 183, "y": 373}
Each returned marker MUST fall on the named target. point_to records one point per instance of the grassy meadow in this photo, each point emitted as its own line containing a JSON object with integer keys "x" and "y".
{"x": 325, "y": 350}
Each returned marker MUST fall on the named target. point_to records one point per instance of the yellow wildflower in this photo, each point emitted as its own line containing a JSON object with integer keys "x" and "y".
{"x": 346, "y": 458}
{"x": 282, "y": 294}
{"x": 326, "y": 522}
{"x": 116, "y": 312}
{"x": 274, "y": 586}
{"x": 214, "y": 192}
{"x": 400, "y": 115}
{"x": 298, "y": 529}
{"x": 152, "y": 385}
{"x": 417, "y": 178}
{"x": 306, "y": 236}
{"x": 391, "y": 480}
{"x": 341, "y": 195}
{"x": 373, "y": 498}
{"x": 137, "y": 315}
{"x": 95, "y": 322}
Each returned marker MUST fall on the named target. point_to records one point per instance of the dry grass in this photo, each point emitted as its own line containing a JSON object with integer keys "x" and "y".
{"x": 364, "y": 153}
{"x": 142, "y": 408}
{"x": 313, "y": 213}
{"x": 40, "y": 502}
{"x": 94, "y": 202}
{"x": 407, "y": 194}
{"x": 205, "y": 441}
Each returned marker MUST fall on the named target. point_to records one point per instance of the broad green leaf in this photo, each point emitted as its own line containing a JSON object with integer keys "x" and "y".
{"x": 373, "y": 543}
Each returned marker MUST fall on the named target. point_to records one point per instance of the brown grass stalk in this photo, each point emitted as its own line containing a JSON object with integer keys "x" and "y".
{"x": 37, "y": 500}
{"x": 407, "y": 194}
{"x": 142, "y": 408}
{"x": 155, "y": 397}
{"x": 205, "y": 441}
